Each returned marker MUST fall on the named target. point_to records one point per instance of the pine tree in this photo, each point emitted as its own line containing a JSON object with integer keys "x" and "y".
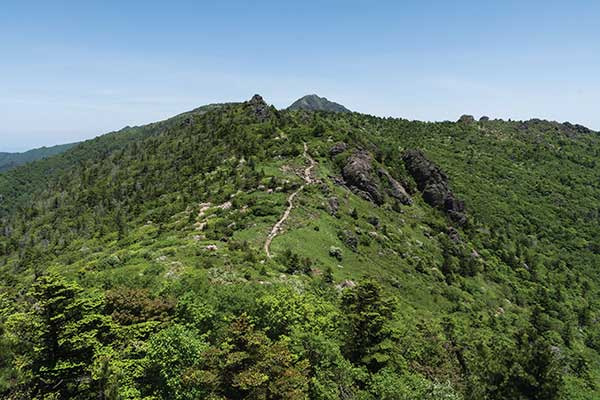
{"x": 367, "y": 314}
{"x": 69, "y": 331}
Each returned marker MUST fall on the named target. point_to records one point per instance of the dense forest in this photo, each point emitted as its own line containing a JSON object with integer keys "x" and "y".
{"x": 447, "y": 260}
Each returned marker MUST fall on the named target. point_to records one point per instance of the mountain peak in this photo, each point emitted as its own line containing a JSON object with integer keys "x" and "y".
{"x": 257, "y": 99}
{"x": 313, "y": 102}
{"x": 259, "y": 107}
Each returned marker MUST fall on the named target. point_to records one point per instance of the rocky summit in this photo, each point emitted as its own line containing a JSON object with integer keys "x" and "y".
{"x": 312, "y": 102}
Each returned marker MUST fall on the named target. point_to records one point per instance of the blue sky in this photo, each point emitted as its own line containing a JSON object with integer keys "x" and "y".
{"x": 74, "y": 70}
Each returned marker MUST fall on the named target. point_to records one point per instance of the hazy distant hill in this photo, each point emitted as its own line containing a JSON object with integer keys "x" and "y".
{"x": 11, "y": 160}
{"x": 312, "y": 102}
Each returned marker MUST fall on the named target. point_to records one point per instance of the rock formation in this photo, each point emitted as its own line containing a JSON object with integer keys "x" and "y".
{"x": 466, "y": 119}
{"x": 338, "y": 148}
{"x": 359, "y": 176}
{"x": 259, "y": 108}
{"x": 433, "y": 183}
{"x": 396, "y": 190}
{"x": 334, "y": 205}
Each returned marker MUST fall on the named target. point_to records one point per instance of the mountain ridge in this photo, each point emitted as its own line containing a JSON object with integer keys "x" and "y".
{"x": 340, "y": 253}
{"x": 9, "y": 160}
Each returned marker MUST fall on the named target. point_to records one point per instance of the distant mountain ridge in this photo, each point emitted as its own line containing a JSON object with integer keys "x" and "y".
{"x": 12, "y": 160}
{"x": 312, "y": 102}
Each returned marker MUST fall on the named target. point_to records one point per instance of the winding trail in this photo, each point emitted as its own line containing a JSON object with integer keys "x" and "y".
{"x": 290, "y": 200}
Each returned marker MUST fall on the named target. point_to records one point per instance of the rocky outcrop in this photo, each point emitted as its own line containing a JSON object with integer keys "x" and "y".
{"x": 334, "y": 205}
{"x": 347, "y": 284}
{"x": 433, "y": 183}
{"x": 338, "y": 148}
{"x": 466, "y": 119}
{"x": 396, "y": 190}
{"x": 359, "y": 176}
{"x": 484, "y": 118}
{"x": 259, "y": 108}
{"x": 349, "y": 239}
{"x": 536, "y": 125}
{"x": 423, "y": 171}
{"x": 576, "y": 128}
{"x": 454, "y": 235}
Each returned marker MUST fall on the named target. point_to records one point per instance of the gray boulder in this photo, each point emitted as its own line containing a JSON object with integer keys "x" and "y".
{"x": 338, "y": 148}
{"x": 433, "y": 183}
{"x": 334, "y": 205}
{"x": 395, "y": 190}
{"x": 359, "y": 176}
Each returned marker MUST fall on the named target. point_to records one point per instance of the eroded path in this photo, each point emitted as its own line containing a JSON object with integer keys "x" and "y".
{"x": 290, "y": 200}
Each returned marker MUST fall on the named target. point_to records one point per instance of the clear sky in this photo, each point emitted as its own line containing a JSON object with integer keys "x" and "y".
{"x": 74, "y": 70}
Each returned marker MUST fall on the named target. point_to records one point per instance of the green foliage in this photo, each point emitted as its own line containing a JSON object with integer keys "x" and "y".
{"x": 295, "y": 263}
{"x": 129, "y": 306}
{"x": 65, "y": 331}
{"x": 367, "y": 314}
{"x": 171, "y": 354}
{"x": 249, "y": 365}
{"x": 387, "y": 385}
{"x": 284, "y": 311}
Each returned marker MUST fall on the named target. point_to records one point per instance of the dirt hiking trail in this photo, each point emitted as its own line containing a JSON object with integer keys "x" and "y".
{"x": 290, "y": 200}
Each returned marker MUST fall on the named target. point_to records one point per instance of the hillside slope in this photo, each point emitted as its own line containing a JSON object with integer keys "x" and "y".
{"x": 12, "y": 160}
{"x": 409, "y": 260}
